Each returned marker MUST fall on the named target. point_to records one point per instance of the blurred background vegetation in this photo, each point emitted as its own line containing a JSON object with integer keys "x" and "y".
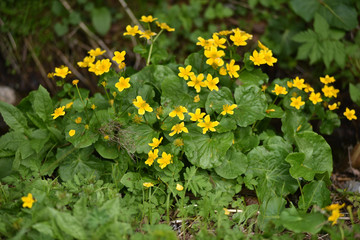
{"x": 310, "y": 38}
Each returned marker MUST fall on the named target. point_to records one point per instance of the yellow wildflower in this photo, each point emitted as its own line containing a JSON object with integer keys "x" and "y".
{"x": 155, "y": 142}
{"x": 179, "y": 142}
{"x": 132, "y": 30}
{"x": 147, "y": 19}
{"x": 226, "y": 211}
{"x": 185, "y": 73}
{"x": 262, "y": 46}
{"x": 350, "y": 114}
{"x": 100, "y": 67}
{"x": 330, "y": 91}
{"x": 289, "y": 84}
{"x": 142, "y": 105}
{"x": 279, "y": 90}
{"x": 333, "y": 106}
{"x": 335, "y": 212}
{"x": 86, "y": 61}
{"x": 218, "y": 42}
{"x": 211, "y": 82}
{"x": 197, "y": 98}
{"x": 263, "y": 88}
{"x": 315, "y": 98}
{"x": 214, "y": 57}
{"x": 208, "y": 125}
{"x": 198, "y": 115}
{"x": 178, "y": 128}
{"x": 165, "y": 160}
{"x": 197, "y": 82}
{"x": 179, "y": 187}
{"x": 148, "y": 184}
{"x": 206, "y": 44}
{"x": 72, "y": 132}
{"x": 178, "y": 111}
{"x": 96, "y": 52}
{"x": 152, "y": 156}
{"x": 137, "y": 119}
{"x": 258, "y": 58}
{"x": 268, "y": 57}
{"x": 106, "y": 137}
{"x": 308, "y": 88}
{"x": 296, "y": 102}
{"x": 62, "y": 71}
{"x": 232, "y": 69}
{"x": 93, "y": 106}
{"x": 58, "y": 112}
{"x": 86, "y": 127}
{"x": 165, "y": 26}
{"x": 227, "y": 109}
{"x": 67, "y": 106}
{"x": 298, "y": 83}
{"x": 239, "y": 38}
{"x": 75, "y": 82}
{"x": 327, "y": 79}
{"x": 147, "y": 34}
{"x": 78, "y": 120}
{"x": 119, "y": 57}
{"x": 122, "y": 84}
{"x": 28, "y": 201}
{"x": 122, "y": 65}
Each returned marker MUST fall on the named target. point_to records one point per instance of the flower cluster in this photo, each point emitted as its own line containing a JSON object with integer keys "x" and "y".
{"x": 165, "y": 159}
{"x": 264, "y": 56}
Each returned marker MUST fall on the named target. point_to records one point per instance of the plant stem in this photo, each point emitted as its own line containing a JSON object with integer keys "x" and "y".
{"x": 151, "y": 48}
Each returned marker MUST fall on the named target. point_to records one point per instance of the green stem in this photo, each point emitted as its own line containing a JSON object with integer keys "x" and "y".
{"x": 87, "y": 117}
{"x": 151, "y": 48}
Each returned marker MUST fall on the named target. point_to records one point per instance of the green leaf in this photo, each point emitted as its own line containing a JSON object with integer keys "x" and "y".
{"x": 74, "y": 18}
{"x": 292, "y": 123}
{"x": 314, "y": 193}
{"x": 251, "y": 105}
{"x": 339, "y": 55}
{"x": 355, "y": 93}
{"x": 210, "y": 13}
{"x": 278, "y": 113}
{"x": 255, "y": 77}
{"x": 143, "y": 135}
{"x": 305, "y": 8}
{"x": 107, "y": 150}
{"x": 6, "y": 166}
{"x": 330, "y": 122}
{"x": 340, "y": 15}
{"x": 61, "y": 29}
{"x": 216, "y": 100}
{"x": 12, "y": 141}
{"x": 197, "y": 61}
{"x": 245, "y": 139}
{"x": 44, "y": 228}
{"x": 205, "y": 151}
{"x": 175, "y": 92}
{"x": 301, "y": 222}
{"x": 13, "y": 117}
{"x": 39, "y": 138}
{"x": 270, "y": 210}
{"x": 226, "y": 124}
{"x": 234, "y": 164}
{"x": 42, "y": 103}
{"x": 305, "y": 36}
{"x": 321, "y": 26}
{"x": 314, "y": 156}
{"x": 101, "y": 20}
{"x": 68, "y": 224}
{"x": 267, "y": 163}
{"x": 131, "y": 181}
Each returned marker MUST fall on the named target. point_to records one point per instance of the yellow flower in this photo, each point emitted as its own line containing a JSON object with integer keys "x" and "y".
{"x": 335, "y": 206}
{"x": 100, "y": 67}
{"x": 103, "y": 83}
{"x": 58, "y": 112}
{"x": 197, "y": 98}
{"x": 122, "y": 65}
{"x": 67, "y": 106}
{"x": 208, "y": 125}
{"x": 330, "y": 91}
{"x": 315, "y": 98}
{"x": 206, "y": 44}
{"x": 132, "y": 30}
{"x": 106, "y": 137}
{"x": 198, "y": 115}
{"x": 50, "y": 75}
{"x": 78, "y": 120}
{"x": 148, "y": 184}
{"x": 197, "y": 82}
{"x": 122, "y": 84}
{"x": 155, "y": 142}
{"x": 137, "y": 119}
{"x": 179, "y": 142}
{"x": 152, "y": 156}
{"x": 96, "y": 52}
{"x": 333, "y": 106}
{"x": 142, "y": 105}
{"x": 86, "y": 61}
{"x": 214, "y": 57}
{"x": 335, "y": 212}
{"x": 28, "y": 201}
{"x": 147, "y": 19}
{"x": 268, "y": 57}
{"x": 218, "y": 42}
{"x": 279, "y": 90}
{"x": 75, "y": 82}
{"x": 178, "y": 111}
{"x": 86, "y": 127}
{"x": 185, "y": 73}
{"x": 62, "y": 72}
{"x": 225, "y": 32}
{"x": 119, "y": 56}
{"x": 327, "y": 79}
{"x": 270, "y": 110}
{"x": 258, "y": 58}
{"x": 71, "y": 132}
{"x": 289, "y": 84}
{"x": 308, "y": 88}
{"x": 226, "y": 211}
{"x": 179, "y": 187}
{"x": 350, "y": 114}
{"x": 227, "y": 109}
{"x": 232, "y": 69}
{"x": 211, "y": 82}
{"x": 165, "y": 160}
{"x": 296, "y": 102}
{"x": 263, "y": 88}
{"x": 298, "y": 83}
{"x": 93, "y": 106}
{"x": 165, "y": 26}
{"x": 239, "y": 38}
{"x": 262, "y": 46}
{"x": 178, "y": 128}
{"x": 147, "y": 34}
{"x": 159, "y": 112}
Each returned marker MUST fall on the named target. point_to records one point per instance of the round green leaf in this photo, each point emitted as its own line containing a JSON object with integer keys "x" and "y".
{"x": 251, "y": 103}
{"x": 106, "y": 149}
{"x": 234, "y": 164}
{"x": 101, "y": 20}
